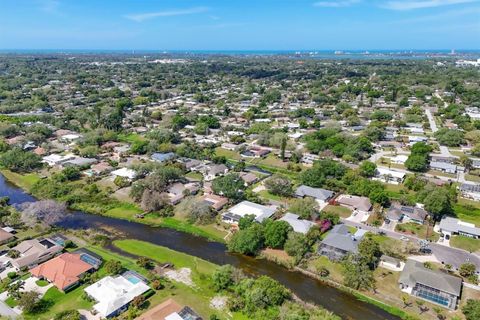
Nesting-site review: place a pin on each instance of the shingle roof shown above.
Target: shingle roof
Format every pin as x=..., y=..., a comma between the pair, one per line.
x=317, y=193
x=414, y=272
x=341, y=238
x=298, y=225
x=455, y=225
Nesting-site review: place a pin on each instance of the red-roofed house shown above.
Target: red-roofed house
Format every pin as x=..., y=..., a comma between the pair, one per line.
x=63, y=271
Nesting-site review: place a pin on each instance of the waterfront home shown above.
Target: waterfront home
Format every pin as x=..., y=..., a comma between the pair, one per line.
x=297, y=224
x=431, y=285
x=63, y=271
x=56, y=159
x=79, y=162
x=260, y=212
x=255, y=152
x=400, y=213
x=339, y=242
x=169, y=310
x=452, y=226
x=113, y=294
x=35, y=251
x=177, y=191
x=215, y=201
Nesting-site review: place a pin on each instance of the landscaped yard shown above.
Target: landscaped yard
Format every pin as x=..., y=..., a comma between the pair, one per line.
x=465, y=243
x=341, y=211
x=468, y=211
x=334, y=269
x=41, y=283
x=421, y=231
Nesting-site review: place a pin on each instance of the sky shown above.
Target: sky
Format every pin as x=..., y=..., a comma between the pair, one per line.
x=240, y=24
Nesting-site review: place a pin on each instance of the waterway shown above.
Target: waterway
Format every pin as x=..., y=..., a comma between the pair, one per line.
x=305, y=287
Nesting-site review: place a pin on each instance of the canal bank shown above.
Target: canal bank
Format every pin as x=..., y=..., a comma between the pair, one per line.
x=306, y=288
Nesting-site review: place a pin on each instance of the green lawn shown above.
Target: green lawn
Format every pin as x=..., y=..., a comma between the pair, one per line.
x=465, y=243
x=267, y=195
x=124, y=211
x=24, y=181
x=335, y=269
x=467, y=211
x=130, y=138
x=12, y=303
x=418, y=230
x=194, y=175
x=206, y=231
x=42, y=283
x=227, y=153
x=341, y=211
x=198, y=298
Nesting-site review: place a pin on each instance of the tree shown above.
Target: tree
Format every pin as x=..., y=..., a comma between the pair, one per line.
x=47, y=212
x=113, y=267
x=230, y=186
x=222, y=278
x=306, y=207
x=153, y=201
x=276, y=233
x=28, y=301
x=357, y=275
x=416, y=162
x=200, y=212
x=279, y=185
x=246, y=221
x=145, y=263
x=247, y=241
x=138, y=301
x=450, y=137
x=262, y=293
x=296, y=245
x=471, y=309
x=369, y=252
x=438, y=202
x=13, y=290
x=18, y=160
x=367, y=169
x=467, y=269
x=68, y=315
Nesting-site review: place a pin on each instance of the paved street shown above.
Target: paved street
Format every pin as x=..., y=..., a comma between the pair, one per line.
x=444, y=254
x=6, y=311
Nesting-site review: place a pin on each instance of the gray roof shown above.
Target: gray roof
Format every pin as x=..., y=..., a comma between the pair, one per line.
x=317, y=193
x=414, y=272
x=298, y=225
x=467, y=187
x=161, y=157
x=443, y=165
x=341, y=238
x=397, y=211
x=455, y=225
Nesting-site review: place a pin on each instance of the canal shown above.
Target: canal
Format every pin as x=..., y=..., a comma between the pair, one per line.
x=306, y=288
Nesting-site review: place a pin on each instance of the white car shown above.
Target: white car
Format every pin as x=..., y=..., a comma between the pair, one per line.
x=403, y=238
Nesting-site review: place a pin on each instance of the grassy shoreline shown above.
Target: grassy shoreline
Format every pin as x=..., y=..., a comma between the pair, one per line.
x=25, y=182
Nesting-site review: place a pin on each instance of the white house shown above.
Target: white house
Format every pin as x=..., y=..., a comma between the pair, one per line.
x=298, y=225
x=125, y=173
x=57, y=159
x=114, y=294
x=244, y=208
x=399, y=159
x=389, y=176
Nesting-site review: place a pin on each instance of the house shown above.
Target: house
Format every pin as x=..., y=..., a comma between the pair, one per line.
x=125, y=173
x=339, y=242
x=100, y=168
x=452, y=226
x=212, y=171
x=248, y=178
x=163, y=157
x=399, y=159
x=355, y=203
x=5, y=236
x=255, y=152
x=63, y=271
x=34, y=251
x=79, y=162
x=56, y=159
x=391, y=263
x=443, y=167
x=470, y=191
x=177, y=191
x=431, y=285
x=114, y=294
x=389, y=176
x=244, y=208
x=309, y=158
x=215, y=201
x=190, y=164
x=399, y=213
x=298, y=225
x=320, y=195
x=169, y=310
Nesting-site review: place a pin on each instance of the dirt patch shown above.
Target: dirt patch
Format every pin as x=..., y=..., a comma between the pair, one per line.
x=218, y=302
x=183, y=275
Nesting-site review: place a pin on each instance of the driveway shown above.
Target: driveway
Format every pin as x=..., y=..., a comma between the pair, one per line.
x=31, y=285
x=6, y=311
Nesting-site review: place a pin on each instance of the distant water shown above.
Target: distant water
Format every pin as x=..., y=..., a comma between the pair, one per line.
x=305, y=54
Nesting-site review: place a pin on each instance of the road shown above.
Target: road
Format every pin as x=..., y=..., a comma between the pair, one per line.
x=433, y=125
x=6, y=311
x=444, y=254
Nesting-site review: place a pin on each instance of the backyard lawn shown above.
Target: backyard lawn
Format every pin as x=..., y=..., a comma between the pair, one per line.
x=465, y=243
x=341, y=211
x=467, y=211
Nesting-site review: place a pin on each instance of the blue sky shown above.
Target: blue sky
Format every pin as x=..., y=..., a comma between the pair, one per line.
x=240, y=24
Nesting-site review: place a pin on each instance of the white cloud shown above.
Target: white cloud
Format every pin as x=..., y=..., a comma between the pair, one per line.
x=420, y=4
x=336, y=4
x=140, y=17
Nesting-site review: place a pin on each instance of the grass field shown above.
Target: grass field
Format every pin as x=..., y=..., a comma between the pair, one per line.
x=468, y=211
x=197, y=297
x=465, y=243
x=24, y=181
x=341, y=211
x=421, y=231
